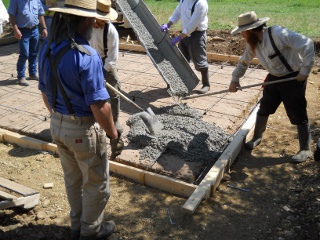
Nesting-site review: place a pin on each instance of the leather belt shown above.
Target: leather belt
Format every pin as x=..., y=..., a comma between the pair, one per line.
x=28, y=28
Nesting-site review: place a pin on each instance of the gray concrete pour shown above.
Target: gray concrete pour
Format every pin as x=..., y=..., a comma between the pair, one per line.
x=169, y=61
x=22, y=110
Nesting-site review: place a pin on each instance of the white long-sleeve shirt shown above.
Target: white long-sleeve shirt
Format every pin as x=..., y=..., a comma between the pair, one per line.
x=197, y=21
x=96, y=42
x=297, y=49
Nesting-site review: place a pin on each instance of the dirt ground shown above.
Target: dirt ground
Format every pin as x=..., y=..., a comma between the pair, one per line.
x=283, y=201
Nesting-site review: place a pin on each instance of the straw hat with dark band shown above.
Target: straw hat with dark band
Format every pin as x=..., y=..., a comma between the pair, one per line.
x=88, y=8
x=104, y=9
x=247, y=21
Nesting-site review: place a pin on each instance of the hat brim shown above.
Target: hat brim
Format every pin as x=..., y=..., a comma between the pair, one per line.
x=112, y=15
x=256, y=24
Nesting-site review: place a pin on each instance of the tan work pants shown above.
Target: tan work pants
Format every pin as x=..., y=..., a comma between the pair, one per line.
x=82, y=148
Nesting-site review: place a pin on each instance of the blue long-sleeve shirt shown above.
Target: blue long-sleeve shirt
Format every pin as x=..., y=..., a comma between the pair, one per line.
x=80, y=74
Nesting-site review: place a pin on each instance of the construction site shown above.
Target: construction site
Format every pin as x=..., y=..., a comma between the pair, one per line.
x=189, y=154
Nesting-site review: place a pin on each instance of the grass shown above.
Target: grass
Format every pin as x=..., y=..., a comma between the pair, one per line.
x=301, y=16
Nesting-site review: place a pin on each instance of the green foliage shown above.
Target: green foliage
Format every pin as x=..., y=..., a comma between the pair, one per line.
x=298, y=15
x=6, y=3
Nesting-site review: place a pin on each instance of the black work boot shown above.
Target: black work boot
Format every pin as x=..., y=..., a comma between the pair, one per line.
x=205, y=80
x=304, y=142
x=115, y=108
x=75, y=234
x=260, y=127
x=107, y=228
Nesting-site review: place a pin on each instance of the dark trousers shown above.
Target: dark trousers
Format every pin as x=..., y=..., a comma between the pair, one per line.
x=291, y=93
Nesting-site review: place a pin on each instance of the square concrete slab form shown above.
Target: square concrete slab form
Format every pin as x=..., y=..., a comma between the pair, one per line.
x=18, y=195
x=168, y=60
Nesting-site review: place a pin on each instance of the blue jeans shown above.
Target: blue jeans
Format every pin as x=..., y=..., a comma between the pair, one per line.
x=29, y=47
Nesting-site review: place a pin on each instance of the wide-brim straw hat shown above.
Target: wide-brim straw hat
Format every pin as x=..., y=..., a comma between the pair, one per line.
x=104, y=9
x=247, y=21
x=88, y=8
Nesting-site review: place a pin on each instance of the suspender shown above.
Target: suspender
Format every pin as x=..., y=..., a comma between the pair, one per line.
x=105, y=38
x=278, y=53
x=192, y=9
x=56, y=81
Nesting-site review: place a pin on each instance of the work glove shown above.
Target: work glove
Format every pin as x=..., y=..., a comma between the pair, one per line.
x=175, y=40
x=164, y=27
x=116, y=146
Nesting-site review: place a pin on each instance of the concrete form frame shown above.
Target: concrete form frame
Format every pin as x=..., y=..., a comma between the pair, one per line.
x=195, y=193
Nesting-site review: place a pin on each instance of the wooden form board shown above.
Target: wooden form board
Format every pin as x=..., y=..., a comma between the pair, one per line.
x=213, y=178
x=195, y=193
x=210, y=56
x=26, y=197
x=141, y=176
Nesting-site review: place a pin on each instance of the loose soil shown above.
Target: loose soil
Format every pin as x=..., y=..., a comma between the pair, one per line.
x=283, y=201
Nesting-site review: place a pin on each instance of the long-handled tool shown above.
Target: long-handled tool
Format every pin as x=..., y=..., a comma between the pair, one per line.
x=148, y=116
x=244, y=87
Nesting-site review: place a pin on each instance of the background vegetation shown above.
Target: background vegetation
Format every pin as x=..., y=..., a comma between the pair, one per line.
x=302, y=16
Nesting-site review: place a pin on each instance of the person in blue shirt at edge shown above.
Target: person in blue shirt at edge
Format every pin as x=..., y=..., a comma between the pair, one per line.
x=46, y=4
x=72, y=85
x=24, y=17
x=284, y=54
x=193, y=38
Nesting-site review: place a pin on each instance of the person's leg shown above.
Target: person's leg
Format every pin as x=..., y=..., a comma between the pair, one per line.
x=92, y=159
x=183, y=47
x=33, y=53
x=197, y=49
x=23, y=56
x=112, y=78
x=295, y=104
x=269, y=103
x=71, y=170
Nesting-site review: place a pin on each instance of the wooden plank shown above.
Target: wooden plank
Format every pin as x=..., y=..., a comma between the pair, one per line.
x=27, y=202
x=16, y=187
x=131, y=47
x=153, y=179
x=214, y=176
x=26, y=142
x=6, y=195
x=210, y=56
x=141, y=176
x=227, y=58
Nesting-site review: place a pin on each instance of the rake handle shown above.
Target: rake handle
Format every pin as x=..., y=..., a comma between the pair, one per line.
x=244, y=87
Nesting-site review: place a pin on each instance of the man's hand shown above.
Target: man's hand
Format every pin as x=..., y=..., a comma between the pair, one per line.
x=175, y=40
x=116, y=147
x=234, y=86
x=301, y=77
x=44, y=33
x=165, y=27
x=17, y=33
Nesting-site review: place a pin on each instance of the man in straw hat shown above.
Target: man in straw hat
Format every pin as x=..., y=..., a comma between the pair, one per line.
x=105, y=39
x=291, y=55
x=72, y=85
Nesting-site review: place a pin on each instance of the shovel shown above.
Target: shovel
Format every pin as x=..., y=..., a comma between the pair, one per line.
x=148, y=116
x=240, y=88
